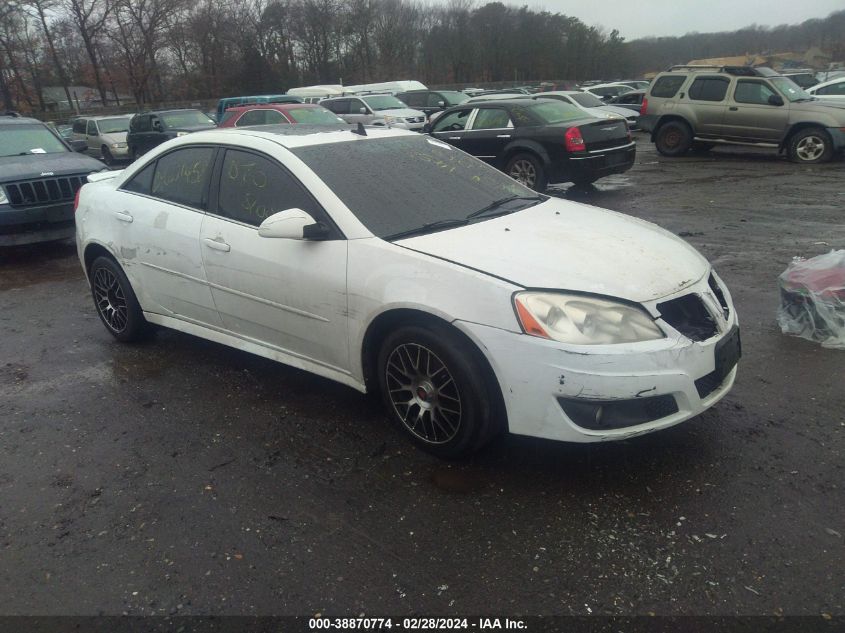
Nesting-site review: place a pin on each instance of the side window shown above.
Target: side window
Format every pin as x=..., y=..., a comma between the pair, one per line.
x=274, y=117
x=667, y=86
x=637, y=98
x=452, y=122
x=834, y=89
x=709, y=89
x=434, y=100
x=142, y=182
x=341, y=106
x=355, y=106
x=182, y=176
x=253, y=117
x=491, y=119
x=752, y=92
x=92, y=128
x=252, y=188
x=416, y=99
x=143, y=123
x=79, y=126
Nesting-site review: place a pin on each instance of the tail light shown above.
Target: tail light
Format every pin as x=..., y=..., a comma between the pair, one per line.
x=76, y=199
x=644, y=107
x=574, y=140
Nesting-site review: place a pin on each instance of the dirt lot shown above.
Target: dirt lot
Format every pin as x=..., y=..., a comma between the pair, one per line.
x=179, y=476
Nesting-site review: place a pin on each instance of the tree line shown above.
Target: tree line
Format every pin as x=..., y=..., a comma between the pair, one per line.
x=172, y=50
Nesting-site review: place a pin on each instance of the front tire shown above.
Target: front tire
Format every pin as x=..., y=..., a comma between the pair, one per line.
x=673, y=139
x=810, y=146
x=527, y=170
x=108, y=159
x=115, y=301
x=434, y=388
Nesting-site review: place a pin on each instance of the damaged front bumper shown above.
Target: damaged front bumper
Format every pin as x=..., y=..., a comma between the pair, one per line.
x=579, y=393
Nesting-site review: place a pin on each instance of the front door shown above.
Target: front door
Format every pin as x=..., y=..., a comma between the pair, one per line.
x=491, y=129
x=752, y=117
x=451, y=127
x=285, y=293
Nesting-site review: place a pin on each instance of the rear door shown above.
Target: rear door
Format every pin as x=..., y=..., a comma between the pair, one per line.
x=751, y=117
x=491, y=129
x=708, y=96
x=92, y=137
x=287, y=294
x=451, y=127
x=159, y=214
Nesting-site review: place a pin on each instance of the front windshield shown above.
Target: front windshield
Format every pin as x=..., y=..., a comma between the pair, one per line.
x=384, y=102
x=421, y=181
x=315, y=116
x=587, y=100
x=110, y=126
x=790, y=89
x=16, y=140
x=188, y=118
x=453, y=97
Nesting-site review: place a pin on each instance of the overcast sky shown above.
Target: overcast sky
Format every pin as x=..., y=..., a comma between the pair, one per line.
x=641, y=18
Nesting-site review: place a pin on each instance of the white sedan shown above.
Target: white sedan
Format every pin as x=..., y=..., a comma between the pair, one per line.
x=833, y=89
x=391, y=261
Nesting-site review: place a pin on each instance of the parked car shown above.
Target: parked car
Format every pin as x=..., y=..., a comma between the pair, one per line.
x=40, y=174
x=608, y=91
x=474, y=306
x=269, y=114
x=376, y=110
x=591, y=104
x=693, y=107
x=105, y=136
x=539, y=142
x=431, y=101
x=229, y=102
x=833, y=89
x=630, y=100
x=636, y=84
x=154, y=127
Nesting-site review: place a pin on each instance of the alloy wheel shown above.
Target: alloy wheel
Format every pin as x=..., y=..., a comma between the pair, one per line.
x=810, y=148
x=110, y=299
x=523, y=171
x=423, y=393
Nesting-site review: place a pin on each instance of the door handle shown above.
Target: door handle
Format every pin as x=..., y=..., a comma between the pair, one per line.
x=503, y=136
x=453, y=138
x=217, y=245
x=123, y=216
x=733, y=108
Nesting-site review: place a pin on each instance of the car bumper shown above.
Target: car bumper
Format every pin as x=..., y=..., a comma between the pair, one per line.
x=596, y=164
x=35, y=224
x=838, y=137
x=548, y=386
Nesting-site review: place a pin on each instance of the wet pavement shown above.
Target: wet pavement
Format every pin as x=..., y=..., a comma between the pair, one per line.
x=180, y=476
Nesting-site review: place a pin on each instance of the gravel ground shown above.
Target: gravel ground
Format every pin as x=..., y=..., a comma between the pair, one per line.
x=180, y=476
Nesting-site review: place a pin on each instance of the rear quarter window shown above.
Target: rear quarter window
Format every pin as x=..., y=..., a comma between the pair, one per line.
x=667, y=86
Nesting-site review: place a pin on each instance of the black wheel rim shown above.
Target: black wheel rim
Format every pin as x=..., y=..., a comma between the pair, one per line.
x=423, y=393
x=110, y=300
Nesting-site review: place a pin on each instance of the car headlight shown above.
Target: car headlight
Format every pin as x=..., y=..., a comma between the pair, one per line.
x=118, y=145
x=3, y=198
x=391, y=119
x=583, y=319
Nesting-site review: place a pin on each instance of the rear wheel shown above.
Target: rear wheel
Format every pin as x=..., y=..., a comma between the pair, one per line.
x=528, y=170
x=673, y=139
x=116, y=304
x=434, y=388
x=810, y=146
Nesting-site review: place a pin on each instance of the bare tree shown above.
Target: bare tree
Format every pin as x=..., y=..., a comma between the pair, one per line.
x=90, y=17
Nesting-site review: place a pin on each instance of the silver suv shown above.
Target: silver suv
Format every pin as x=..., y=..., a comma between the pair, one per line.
x=695, y=107
x=380, y=109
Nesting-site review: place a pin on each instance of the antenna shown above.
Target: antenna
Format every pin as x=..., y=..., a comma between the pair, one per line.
x=360, y=131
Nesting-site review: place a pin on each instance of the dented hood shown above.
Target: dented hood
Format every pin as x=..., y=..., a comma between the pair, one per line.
x=570, y=246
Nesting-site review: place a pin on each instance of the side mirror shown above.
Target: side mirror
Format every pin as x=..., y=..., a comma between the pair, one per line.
x=775, y=100
x=78, y=145
x=292, y=224
x=441, y=104
x=363, y=111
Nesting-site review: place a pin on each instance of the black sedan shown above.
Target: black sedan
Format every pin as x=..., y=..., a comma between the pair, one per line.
x=539, y=142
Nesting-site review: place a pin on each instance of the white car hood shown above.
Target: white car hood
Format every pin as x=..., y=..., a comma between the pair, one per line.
x=570, y=246
x=612, y=109
x=403, y=112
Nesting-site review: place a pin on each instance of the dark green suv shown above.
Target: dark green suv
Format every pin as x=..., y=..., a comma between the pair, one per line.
x=154, y=127
x=695, y=107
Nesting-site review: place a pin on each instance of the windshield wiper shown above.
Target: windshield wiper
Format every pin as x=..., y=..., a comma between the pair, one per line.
x=501, y=201
x=426, y=228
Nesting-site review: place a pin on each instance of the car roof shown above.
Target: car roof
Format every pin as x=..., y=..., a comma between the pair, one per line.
x=281, y=107
x=103, y=117
x=17, y=120
x=293, y=136
x=526, y=99
x=167, y=110
x=829, y=82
